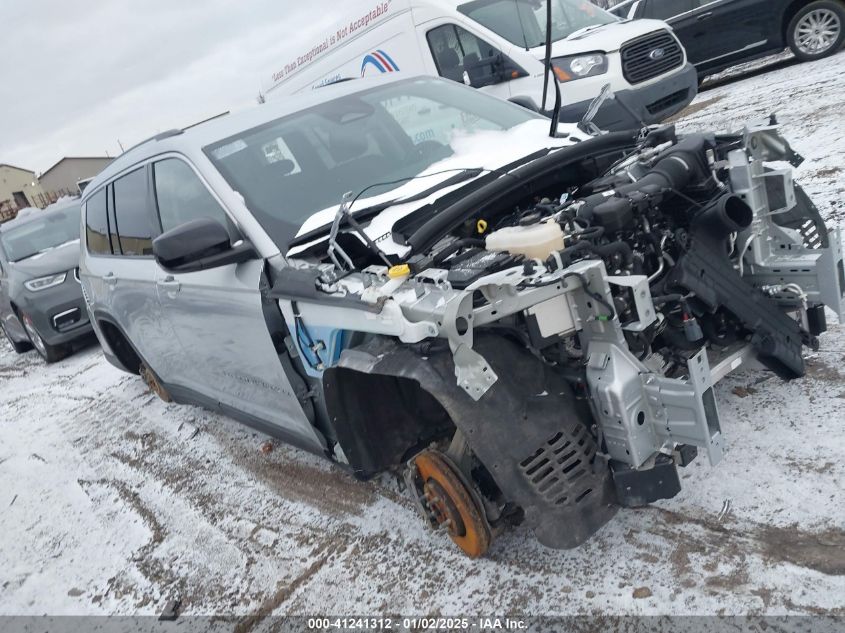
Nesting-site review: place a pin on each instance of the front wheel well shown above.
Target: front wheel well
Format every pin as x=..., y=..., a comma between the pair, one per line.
x=17, y=312
x=121, y=346
x=381, y=420
x=791, y=11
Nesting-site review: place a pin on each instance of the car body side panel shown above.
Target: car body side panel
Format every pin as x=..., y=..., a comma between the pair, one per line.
x=224, y=346
x=124, y=288
x=741, y=26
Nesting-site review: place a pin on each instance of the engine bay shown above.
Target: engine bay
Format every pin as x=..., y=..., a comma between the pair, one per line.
x=637, y=272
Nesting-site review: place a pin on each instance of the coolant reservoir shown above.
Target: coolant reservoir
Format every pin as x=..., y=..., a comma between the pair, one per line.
x=537, y=241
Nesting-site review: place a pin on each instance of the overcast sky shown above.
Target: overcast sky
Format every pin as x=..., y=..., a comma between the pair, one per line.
x=77, y=75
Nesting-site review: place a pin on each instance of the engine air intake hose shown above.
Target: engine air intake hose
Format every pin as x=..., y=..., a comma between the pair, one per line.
x=679, y=166
x=729, y=214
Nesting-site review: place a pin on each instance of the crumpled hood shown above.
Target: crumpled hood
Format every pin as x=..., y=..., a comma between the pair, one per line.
x=487, y=150
x=608, y=38
x=63, y=258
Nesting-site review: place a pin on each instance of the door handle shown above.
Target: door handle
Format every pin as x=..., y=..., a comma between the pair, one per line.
x=705, y=16
x=110, y=279
x=169, y=284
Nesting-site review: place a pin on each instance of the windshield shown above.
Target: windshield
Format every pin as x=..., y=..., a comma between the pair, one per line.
x=291, y=168
x=523, y=22
x=41, y=233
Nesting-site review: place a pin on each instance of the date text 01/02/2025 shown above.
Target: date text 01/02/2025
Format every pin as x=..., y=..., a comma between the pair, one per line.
x=417, y=623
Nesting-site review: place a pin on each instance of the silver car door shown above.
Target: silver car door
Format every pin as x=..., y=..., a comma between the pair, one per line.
x=127, y=276
x=218, y=316
x=121, y=277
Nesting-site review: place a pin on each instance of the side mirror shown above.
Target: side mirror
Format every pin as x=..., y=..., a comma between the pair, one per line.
x=488, y=71
x=199, y=245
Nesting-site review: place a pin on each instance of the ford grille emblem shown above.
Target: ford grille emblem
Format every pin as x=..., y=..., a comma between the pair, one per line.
x=657, y=53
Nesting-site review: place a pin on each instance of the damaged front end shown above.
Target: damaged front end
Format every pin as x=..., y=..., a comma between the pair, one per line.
x=546, y=347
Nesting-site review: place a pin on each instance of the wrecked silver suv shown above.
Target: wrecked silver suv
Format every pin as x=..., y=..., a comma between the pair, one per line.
x=527, y=327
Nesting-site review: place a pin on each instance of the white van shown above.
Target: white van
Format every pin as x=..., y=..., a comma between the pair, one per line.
x=499, y=47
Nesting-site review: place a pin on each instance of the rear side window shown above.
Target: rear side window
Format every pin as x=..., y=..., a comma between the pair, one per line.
x=181, y=196
x=97, y=225
x=131, y=213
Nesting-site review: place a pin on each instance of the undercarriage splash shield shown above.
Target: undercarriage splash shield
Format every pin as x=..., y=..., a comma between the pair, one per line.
x=527, y=430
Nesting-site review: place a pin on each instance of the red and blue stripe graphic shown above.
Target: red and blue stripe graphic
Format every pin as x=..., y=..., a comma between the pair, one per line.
x=381, y=61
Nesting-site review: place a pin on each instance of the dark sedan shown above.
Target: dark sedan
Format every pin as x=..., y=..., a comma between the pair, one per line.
x=722, y=33
x=41, y=302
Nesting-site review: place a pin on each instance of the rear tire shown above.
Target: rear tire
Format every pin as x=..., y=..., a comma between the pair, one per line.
x=817, y=30
x=19, y=348
x=50, y=353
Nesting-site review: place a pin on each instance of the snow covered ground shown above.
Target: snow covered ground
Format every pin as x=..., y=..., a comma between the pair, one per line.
x=112, y=502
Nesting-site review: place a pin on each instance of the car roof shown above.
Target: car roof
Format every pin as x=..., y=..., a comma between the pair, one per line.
x=222, y=127
x=13, y=224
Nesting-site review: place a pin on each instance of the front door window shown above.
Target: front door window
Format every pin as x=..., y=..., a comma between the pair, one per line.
x=461, y=56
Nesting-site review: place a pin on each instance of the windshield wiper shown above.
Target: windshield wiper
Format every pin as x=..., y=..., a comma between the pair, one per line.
x=371, y=211
x=343, y=215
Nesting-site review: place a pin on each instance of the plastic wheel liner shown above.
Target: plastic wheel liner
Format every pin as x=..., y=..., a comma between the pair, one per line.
x=528, y=430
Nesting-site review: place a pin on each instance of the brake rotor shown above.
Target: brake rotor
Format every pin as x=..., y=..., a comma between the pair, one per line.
x=153, y=383
x=451, y=504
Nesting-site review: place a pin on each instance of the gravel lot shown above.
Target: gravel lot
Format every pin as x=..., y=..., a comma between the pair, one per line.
x=114, y=502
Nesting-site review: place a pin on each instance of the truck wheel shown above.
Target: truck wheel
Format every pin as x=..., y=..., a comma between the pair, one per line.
x=817, y=30
x=50, y=353
x=19, y=348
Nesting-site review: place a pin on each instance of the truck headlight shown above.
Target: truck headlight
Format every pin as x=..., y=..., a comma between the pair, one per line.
x=42, y=283
x=579, y=66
